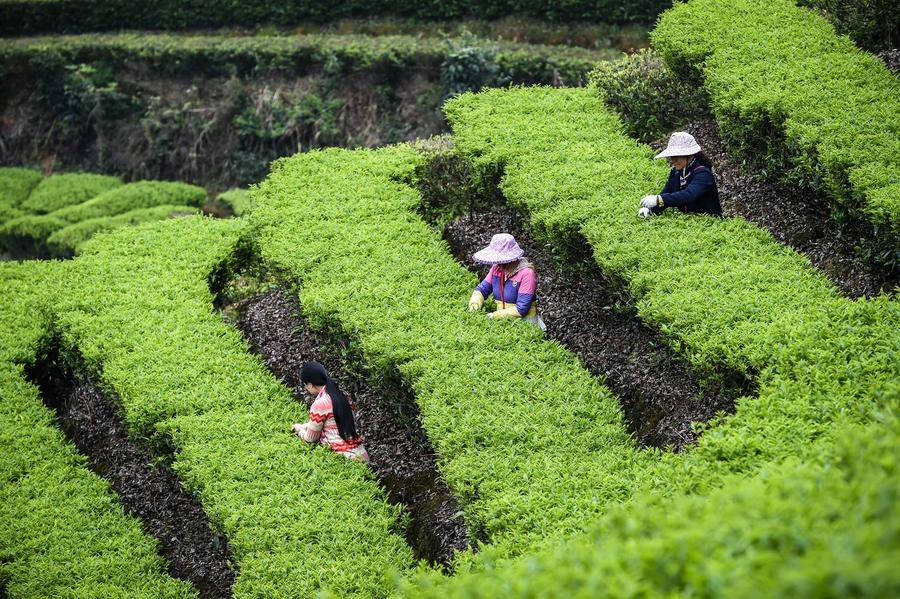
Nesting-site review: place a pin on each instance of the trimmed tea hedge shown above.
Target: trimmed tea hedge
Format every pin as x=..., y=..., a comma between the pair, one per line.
x=27, y=16
x=239, y=200
x=722, y=291
x=187, y=55
x=533, y=446
x=61, y=191
x=26, y=235
x=62, y=530
x=299, y=520
x=826, y=528
x=15, y=186
x=70, y=239
x=141, y=194
x=805, y=102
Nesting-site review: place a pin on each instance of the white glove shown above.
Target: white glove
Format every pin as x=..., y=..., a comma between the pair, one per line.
x=649, y=202
x=297, y=429
x=644, y=212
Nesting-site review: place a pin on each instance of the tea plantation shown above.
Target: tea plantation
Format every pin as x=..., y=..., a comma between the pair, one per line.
x=127, y=285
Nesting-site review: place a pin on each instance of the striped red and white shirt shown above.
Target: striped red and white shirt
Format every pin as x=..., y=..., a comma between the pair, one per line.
x=322, y=427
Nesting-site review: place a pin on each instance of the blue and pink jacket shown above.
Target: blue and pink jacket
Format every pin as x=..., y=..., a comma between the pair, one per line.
x=519, y=288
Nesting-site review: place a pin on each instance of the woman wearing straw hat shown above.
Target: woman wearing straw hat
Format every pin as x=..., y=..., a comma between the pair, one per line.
x=510, y=280
x=691, y=186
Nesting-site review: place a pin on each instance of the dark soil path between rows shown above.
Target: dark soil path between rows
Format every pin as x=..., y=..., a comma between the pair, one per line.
x=795, y=217
x=660, y=395
x=401, y=456
x=152, y=494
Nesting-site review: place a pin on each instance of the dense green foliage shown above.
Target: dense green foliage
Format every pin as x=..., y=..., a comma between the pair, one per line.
x=138, y=309
x=722, y=291
x=141, y=194
x=25, y=236
x=121, y=205
x=60, y=191
x=62, y=530
x=71, y=238
x=239, y=200
x=533, y=446
x=873, y=24
x=803, y=102
x=336, y=54
x=26, y=16
x=825, y=528
x=15, y=185
x=651, y=100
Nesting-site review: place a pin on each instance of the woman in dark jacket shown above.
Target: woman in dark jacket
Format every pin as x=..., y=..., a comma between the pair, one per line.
x=691, y=186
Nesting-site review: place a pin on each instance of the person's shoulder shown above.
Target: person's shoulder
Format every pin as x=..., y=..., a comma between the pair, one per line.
x=322, y=403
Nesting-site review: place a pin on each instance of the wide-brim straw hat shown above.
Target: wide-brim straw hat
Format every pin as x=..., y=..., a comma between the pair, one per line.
x=681, y=144
x=503, y=249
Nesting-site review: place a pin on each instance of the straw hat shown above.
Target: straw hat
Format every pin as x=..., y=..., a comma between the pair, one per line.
x=680, y=144
x=502, y=250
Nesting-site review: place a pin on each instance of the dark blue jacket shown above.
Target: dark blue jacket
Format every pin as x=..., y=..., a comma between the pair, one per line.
x=694, y=191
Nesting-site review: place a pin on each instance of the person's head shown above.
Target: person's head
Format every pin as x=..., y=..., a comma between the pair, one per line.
x=682, y=149
x=315, y=378
x=502, y=250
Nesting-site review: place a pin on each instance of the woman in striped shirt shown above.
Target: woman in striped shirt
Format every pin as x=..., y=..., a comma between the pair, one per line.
x=331, y=421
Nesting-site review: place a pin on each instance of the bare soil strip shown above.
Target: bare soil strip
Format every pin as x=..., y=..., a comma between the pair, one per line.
x=796, y=218
x=151, y=493
x=387, y=415
x=660, y=395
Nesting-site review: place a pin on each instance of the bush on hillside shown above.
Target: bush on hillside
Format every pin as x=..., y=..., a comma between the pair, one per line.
x=651, y=99
x=59, y=191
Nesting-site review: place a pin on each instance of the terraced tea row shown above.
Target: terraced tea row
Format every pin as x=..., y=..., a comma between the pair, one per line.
x=62, y=532
x=722, y=291
x=788, y=91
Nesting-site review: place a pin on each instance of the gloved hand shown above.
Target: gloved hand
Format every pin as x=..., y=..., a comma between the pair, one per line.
x=509, y=311
x=644, y=212
x=297, y=428
x=476, y=301
x=649, y=201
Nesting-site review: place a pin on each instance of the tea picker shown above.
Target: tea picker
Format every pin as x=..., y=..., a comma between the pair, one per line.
x=691, y=186
x=511, y=280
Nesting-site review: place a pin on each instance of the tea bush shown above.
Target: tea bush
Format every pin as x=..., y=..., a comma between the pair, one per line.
x=60, y=191
x=804, y=102
x=15, y=185
x=828, y=527
x=188, y=55
x=141, y=194
x=71, y=238
x=28, y=16
x=239, y=200
x=138, y=310
x=25, y=236
x=62, y=530
x=723, y=292
x=651, y=100
x=874, y=25
x=532, y=445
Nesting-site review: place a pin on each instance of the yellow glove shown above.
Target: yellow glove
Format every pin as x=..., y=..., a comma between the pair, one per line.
x=506, y=313
x=476, y=301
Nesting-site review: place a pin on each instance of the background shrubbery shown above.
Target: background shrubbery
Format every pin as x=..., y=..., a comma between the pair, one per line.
x=650, y=98
x=30, y=16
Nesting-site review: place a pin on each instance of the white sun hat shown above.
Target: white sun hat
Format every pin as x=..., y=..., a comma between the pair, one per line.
x=680, y=144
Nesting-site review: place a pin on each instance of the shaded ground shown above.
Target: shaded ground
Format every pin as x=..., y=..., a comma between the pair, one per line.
x=796, y=218
x=153, y=494
x=660, y=395
x=387, y=418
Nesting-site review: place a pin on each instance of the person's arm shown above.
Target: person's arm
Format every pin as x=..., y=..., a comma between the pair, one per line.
x=671, y=186
x=311, y=430
x=482, y=291
x=701, y=182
